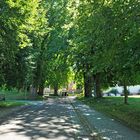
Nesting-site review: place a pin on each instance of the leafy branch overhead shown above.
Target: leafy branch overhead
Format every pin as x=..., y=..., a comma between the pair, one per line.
x=43, y=42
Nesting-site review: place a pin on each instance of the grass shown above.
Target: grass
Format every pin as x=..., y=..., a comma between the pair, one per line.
x=11, y=95
x=7, y=104
x=114, y=107
x=19, y=95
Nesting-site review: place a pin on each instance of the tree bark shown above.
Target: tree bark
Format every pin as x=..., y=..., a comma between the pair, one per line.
x=125, y=93
x=88, y=85
x=41, y=90
x=56, y=90
x=97, y=86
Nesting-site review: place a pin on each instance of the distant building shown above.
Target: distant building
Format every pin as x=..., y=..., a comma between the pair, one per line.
x=71, y=87
x=132, y=89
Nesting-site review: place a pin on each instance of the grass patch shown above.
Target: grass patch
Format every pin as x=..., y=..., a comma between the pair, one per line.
x=114, y=107
x=12, y=95
x=19, y=95
x=6, y=104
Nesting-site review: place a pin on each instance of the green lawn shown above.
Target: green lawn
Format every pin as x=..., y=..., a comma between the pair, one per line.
x=18, y=95
x=13, y=95
x=113, y=106
x=6, y=104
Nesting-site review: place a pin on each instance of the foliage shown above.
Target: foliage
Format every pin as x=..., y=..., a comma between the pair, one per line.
x=103, y=43
x=57, y=68
x=22, y=23
x=41, y=42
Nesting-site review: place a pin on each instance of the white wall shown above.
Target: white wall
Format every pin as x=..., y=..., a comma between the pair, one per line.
x=133, y=89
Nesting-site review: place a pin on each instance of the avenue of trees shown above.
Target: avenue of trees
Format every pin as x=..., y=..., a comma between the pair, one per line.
x=43, y=42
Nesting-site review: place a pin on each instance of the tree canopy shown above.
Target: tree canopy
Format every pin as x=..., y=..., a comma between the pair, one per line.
x=41, y=41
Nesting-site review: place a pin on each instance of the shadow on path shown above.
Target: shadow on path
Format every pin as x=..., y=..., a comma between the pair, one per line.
x=106, y=127
x=52, y=119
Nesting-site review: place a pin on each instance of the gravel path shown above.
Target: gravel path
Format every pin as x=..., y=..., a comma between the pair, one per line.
x=54, y=119
x=107, y=127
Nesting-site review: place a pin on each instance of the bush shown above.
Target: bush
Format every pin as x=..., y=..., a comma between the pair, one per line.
x=3, y=88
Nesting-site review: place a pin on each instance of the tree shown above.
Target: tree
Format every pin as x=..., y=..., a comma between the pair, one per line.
x=57, y=67
x=21, y=23
x=101, y=44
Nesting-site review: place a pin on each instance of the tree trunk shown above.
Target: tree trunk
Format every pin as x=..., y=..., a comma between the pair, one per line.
x=56, y=90
x=41, y=90
x=88, y=85
x=97, y=86
x=125, y=93
x=33, y=90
